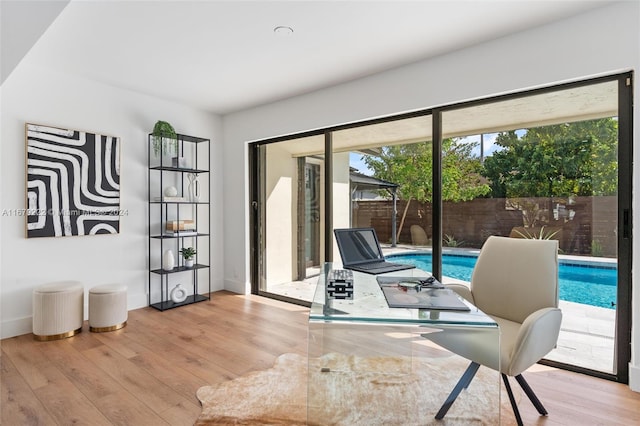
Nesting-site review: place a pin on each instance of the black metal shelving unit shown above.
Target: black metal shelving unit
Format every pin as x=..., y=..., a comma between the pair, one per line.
x=162, y=171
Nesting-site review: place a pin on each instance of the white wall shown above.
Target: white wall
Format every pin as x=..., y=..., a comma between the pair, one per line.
x=602, y=41
x=49, y=98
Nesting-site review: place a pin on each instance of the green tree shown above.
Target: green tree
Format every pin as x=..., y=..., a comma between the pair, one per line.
x=461, y=172
x=411, y=167
x=556, y=161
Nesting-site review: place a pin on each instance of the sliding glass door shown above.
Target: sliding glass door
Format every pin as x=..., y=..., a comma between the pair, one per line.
x=553, y=163
x=544, y=166
x=288, y=205
x=385, y=168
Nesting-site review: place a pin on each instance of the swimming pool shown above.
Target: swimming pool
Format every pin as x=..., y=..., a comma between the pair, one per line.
x=581, y=282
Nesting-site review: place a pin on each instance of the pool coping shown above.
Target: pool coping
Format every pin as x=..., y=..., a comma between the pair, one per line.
x=585, y=261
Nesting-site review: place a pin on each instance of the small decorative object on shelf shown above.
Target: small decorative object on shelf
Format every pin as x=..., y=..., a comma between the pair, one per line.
x=194, y=187
x=178, y=294
x=180, y=162
x=178, y=219
x=168, y=260
x=188, y=253
x=181, y=225
x=170, y=191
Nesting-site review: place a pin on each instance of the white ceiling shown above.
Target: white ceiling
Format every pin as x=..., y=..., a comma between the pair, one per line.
x=223, y=56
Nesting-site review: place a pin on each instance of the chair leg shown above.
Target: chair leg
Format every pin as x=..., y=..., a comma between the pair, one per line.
x=463, y=383
x=512, y=399
x=532, y=396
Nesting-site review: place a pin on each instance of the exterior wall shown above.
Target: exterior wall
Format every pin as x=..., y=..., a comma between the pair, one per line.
x=281, y=215
x=281, y=210
x=341, y=195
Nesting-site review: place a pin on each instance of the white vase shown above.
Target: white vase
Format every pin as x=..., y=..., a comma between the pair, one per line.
x=168, y=260
x=188, y=263
x=178, y=294
x=195, y=191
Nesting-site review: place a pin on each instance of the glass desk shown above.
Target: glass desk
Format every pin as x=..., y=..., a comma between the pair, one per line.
x=372, y=364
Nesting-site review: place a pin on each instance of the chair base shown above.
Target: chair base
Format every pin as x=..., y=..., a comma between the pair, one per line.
x=463, y=383
x=512, y=400
x=528, y=391
x=468, y=376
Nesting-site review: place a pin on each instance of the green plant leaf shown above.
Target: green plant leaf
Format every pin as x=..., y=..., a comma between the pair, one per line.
x=187, y=252
x=165, y=138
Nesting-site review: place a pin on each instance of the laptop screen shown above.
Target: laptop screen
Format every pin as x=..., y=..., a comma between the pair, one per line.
x=358, y=245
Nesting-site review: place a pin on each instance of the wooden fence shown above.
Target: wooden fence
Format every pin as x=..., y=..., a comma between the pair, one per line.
x=591, y=229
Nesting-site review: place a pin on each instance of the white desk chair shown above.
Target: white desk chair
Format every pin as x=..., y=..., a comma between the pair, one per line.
x=515, y=281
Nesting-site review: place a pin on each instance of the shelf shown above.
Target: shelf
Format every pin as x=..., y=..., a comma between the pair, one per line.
x=178, y=202
x=178, y=169
x=179, y=269
x=162, y=237
x=188, y=138
x=169, y=304
x=192, y=157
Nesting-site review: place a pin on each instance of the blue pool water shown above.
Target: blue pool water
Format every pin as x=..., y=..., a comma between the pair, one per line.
x=581, y=283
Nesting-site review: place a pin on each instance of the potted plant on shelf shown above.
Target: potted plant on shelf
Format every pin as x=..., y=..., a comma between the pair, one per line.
x=188, y=253
x=165, y=138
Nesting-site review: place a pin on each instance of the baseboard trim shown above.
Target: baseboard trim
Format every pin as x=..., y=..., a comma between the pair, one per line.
x=16, y=327
x=237, y=286
x=137, y=301
x=634, y=377
x=19, y=326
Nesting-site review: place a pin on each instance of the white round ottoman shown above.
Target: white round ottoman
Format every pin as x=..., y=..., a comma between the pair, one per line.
x=58, y=310
x=107, y=307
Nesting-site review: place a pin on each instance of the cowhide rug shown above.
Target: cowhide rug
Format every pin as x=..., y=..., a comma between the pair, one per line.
x=410, y=392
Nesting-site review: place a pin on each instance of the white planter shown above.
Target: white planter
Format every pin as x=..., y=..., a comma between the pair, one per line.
x=188, y=263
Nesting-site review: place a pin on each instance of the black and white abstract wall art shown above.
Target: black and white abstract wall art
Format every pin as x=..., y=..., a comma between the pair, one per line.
x=73, y=182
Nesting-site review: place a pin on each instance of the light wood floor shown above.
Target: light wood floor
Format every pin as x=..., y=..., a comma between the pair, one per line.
x=148, y=372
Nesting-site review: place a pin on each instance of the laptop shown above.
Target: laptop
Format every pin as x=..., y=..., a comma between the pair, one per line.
x=360, y=251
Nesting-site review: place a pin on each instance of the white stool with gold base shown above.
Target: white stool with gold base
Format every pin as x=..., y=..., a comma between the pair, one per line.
x=107, y=307
x=58, y=310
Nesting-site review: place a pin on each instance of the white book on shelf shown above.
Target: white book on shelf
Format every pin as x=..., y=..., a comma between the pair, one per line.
x=181, y=233
x=171, y=199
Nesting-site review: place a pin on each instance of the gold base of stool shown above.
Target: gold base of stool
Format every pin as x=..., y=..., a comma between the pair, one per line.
x=57, y=336
x=105, y=329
